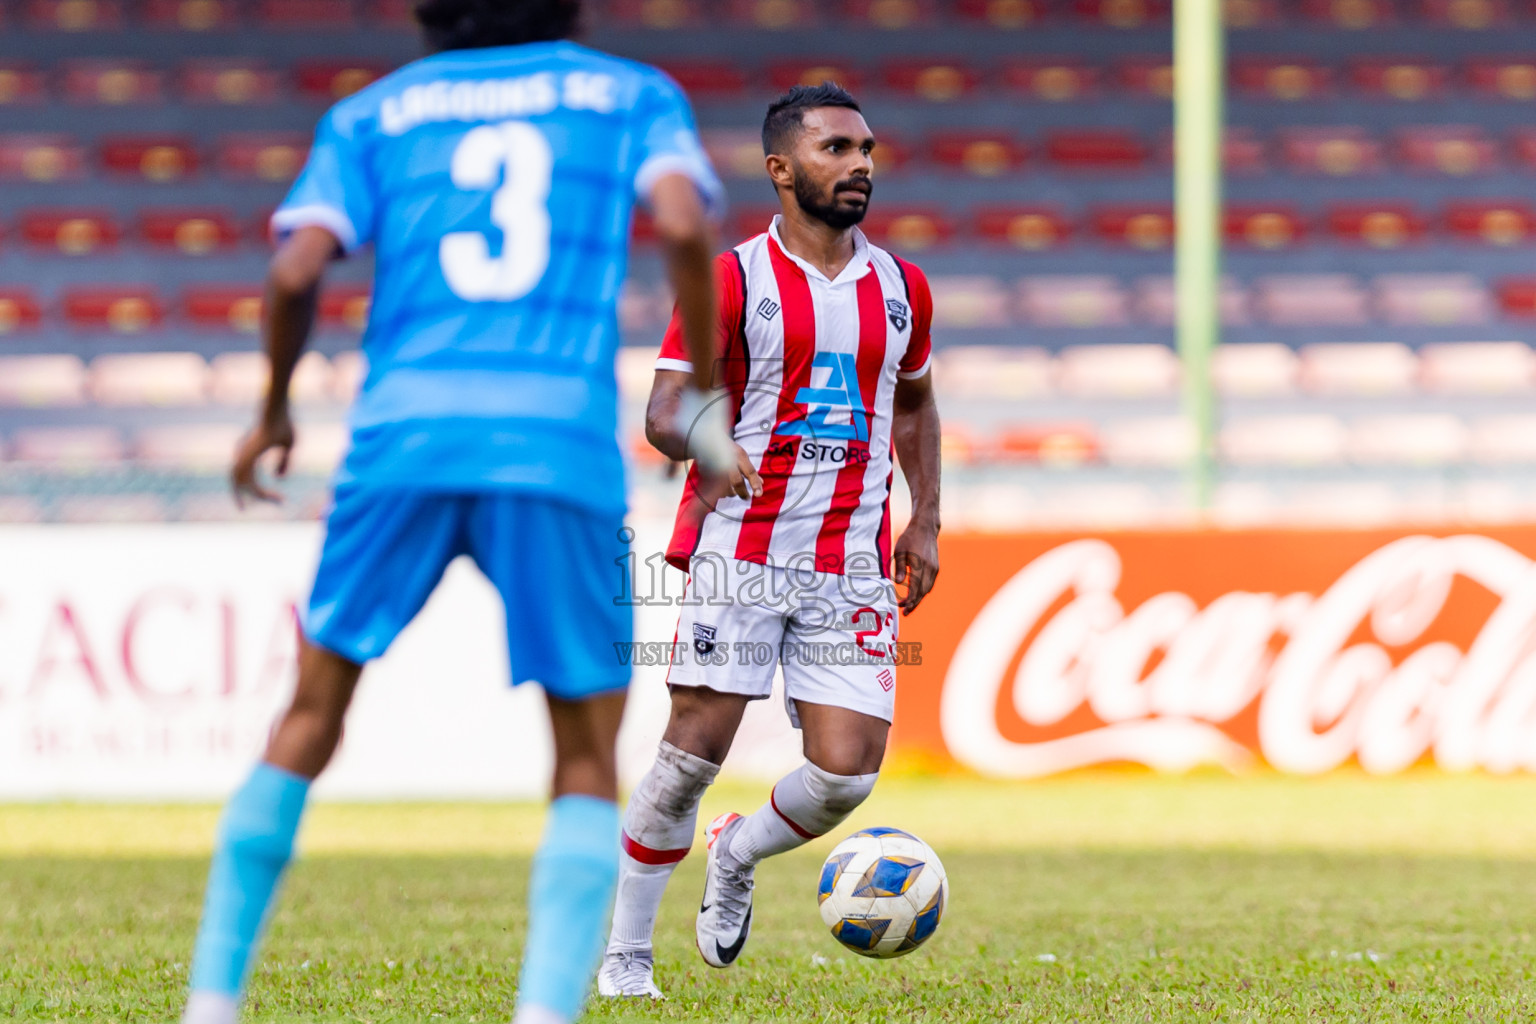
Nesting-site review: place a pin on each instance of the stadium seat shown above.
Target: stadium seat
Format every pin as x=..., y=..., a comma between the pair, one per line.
x=121, y=310
x=1378, y=225
x=1155, y=301
x=1358, y=368
x=262, y=156
x=1032, y=228
x=68, y=447
x=774, y=15
x=70, y=232
x=907, y=228
x=40, y=158
x=400, y=14
x=192, y=232
x=708, y=79
x=1350, y=14
x=1310, y=300
x=1072, y=300
x=1433, y=299
x=1147, y=77
x=111, y=82
x=1264, y=227
x=1300, y=439
x=1149, y=441
x=21, y=83
x=332, y=80
x=74, y=15
x=1399, y=79
x=224, y=307
x=157, y=158
x=19, y=311
x=1340, y=152
x=42, y=381
x=348, y=369
x=1073, y=151
x=1251, y=13
x=1448, y=149
x=1255, y=369
x=970, y=301
x=304, y=14
x=111, y=508
x=890, y=15
x=785, y=75
x=657, y=14
x=1523, y=148
x=1006, y=14
x=1475, y=15
x=1051, y=444
x=1242, y=151
x=1148, y=227
x=1510, y=79
x=937, y=81
x=1407, y=439
x=230, y=82
x=1124, y=14
x=345, y=307
x=1517, y=297
x=1477, y=368
x=735, y=152
x=984, y=154
x=198, y=448
x=149, y=378
x=1052, y=80
x=240, y=379
x=191, y=15
x=1492, y=222
x=1117, y=371
x=1503, y=440
x=994, y=371
x=319, y=448
x=1280, y=78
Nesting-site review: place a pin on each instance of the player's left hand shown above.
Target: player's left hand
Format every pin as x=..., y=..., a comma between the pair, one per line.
x=275, y=432
x=916, y=564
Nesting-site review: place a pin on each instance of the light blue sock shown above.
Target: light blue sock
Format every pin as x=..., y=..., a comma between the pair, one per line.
x=570, y=895
x=255, y=845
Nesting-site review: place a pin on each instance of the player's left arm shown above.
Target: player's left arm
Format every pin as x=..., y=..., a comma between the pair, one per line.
x=915, y=434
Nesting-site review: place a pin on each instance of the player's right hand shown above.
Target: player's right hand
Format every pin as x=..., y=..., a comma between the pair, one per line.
x=744, y=479
x=273, y=432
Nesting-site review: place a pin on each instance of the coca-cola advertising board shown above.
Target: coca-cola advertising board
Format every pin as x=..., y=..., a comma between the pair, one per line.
x=1302, y=649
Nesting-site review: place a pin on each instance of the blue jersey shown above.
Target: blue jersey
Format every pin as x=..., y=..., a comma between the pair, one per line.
x=497, y=187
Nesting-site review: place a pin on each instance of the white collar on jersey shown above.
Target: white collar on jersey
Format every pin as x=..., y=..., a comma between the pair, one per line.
x=856, y=268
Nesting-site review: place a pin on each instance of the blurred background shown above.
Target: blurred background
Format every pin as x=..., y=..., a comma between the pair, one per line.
x=1378, y=302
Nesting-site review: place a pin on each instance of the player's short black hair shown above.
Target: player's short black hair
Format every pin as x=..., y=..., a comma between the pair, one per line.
x=469, y=24
x=786, y=115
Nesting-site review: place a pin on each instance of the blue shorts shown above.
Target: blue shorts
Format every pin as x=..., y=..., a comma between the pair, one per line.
x=553, y=564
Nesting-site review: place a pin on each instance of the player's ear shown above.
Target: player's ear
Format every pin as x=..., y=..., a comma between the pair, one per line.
x=779, y=171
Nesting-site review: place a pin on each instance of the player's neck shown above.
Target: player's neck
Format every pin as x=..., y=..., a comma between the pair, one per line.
x=818, y=243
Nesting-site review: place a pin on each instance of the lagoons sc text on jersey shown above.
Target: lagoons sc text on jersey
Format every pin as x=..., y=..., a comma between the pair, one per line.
x=491, y=99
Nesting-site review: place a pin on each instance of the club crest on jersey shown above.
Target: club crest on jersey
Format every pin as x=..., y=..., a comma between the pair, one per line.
x=899, y=313
x=703, y=639
x=767, y=309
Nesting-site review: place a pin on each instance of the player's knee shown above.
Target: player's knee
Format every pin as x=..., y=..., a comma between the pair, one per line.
x=837, y=795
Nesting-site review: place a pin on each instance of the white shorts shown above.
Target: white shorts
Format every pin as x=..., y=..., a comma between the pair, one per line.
x=834, y=635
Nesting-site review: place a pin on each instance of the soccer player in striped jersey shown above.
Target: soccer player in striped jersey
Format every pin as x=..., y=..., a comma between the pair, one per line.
x=823, y=355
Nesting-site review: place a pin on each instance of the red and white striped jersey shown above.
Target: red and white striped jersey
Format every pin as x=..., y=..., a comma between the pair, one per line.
x=810, y=367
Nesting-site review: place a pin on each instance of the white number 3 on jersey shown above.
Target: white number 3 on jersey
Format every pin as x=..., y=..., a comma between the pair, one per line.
x=520, y=208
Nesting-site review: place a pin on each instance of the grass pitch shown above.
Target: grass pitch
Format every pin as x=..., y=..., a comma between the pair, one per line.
x=1108, y=897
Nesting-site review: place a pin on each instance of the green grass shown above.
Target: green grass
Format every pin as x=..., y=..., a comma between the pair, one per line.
x=1092, y=898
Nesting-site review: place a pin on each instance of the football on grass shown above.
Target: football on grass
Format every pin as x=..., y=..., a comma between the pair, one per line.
x=882, y=892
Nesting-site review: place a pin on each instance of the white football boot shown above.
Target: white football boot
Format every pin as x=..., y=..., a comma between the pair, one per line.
x=725, y=913
x=629, y=973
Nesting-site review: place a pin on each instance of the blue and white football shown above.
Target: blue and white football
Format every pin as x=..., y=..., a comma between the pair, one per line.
x=882, y=892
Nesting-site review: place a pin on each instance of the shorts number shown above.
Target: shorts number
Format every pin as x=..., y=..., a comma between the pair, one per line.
x=520, y=208
x=861, y=635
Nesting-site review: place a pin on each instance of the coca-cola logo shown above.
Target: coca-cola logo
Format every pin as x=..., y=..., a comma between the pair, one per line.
x=1164, y=681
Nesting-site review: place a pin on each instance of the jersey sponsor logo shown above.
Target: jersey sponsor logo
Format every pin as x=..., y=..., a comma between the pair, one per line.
x=900, y=315
x=703, y=639
x=816, y=450
x=767, y=309
x=834, y=411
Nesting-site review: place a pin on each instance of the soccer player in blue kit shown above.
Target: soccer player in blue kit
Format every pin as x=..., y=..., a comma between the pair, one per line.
x=496, y=180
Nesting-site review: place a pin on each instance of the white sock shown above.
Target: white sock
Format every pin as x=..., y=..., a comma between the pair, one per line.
x=659, y=824
x=211, y=1008
x=538, y=1015
x=804, y=805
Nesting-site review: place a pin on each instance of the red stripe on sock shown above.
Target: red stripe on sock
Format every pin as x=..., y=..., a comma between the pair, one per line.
x=774, y=803
x=646, y=855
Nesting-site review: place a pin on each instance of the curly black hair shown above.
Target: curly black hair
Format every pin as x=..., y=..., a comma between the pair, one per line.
x=469, y=24
x=786, y=115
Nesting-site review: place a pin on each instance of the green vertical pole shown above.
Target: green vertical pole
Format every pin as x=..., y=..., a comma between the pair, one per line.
x=1198, y=84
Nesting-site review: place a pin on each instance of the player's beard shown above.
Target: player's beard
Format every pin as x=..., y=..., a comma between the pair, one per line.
x=826, y=208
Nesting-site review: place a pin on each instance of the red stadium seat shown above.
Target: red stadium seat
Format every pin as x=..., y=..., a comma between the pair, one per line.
x=1517, y=297
x=27, y=157
x=157, y=158
x=935, y=81
x=1450, y=149
x=891, y=15
x=345, y=307
x=1095, y=150
x=1340, y=152
x=774, y=14
x=305, y=14
x=75, y=15
x=1053, y=80
x=122, y=310
x=1280, y=79
x=1140, y=227
x=194, y=232
x=657, y=14
x=70, y=232
x=233, y=82
x=984, y=154
x=1492, y=222
x=704, y=78
x=1032, y=228
x=192, y=15
x=224, y=307
x=1146, y=76
x=907, y=228
x=750, y=221
x=394, y=13
x=1251, y=13
x=19, y=311
x=332, y=80
x=1263, y=227
x=1523, y=147
x=1350, y=14
x=1121, y=13
x=1242, y=152
x=260, y=229
x=21, y=83
x=1054, y=444
x=1378, y=225
x=1001, y=13
x=1399, y=79
x=111, y=82
x=735, y=152
x=787, y=74
x=262, y=156
x=1466, y=14
x=1513, y=79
